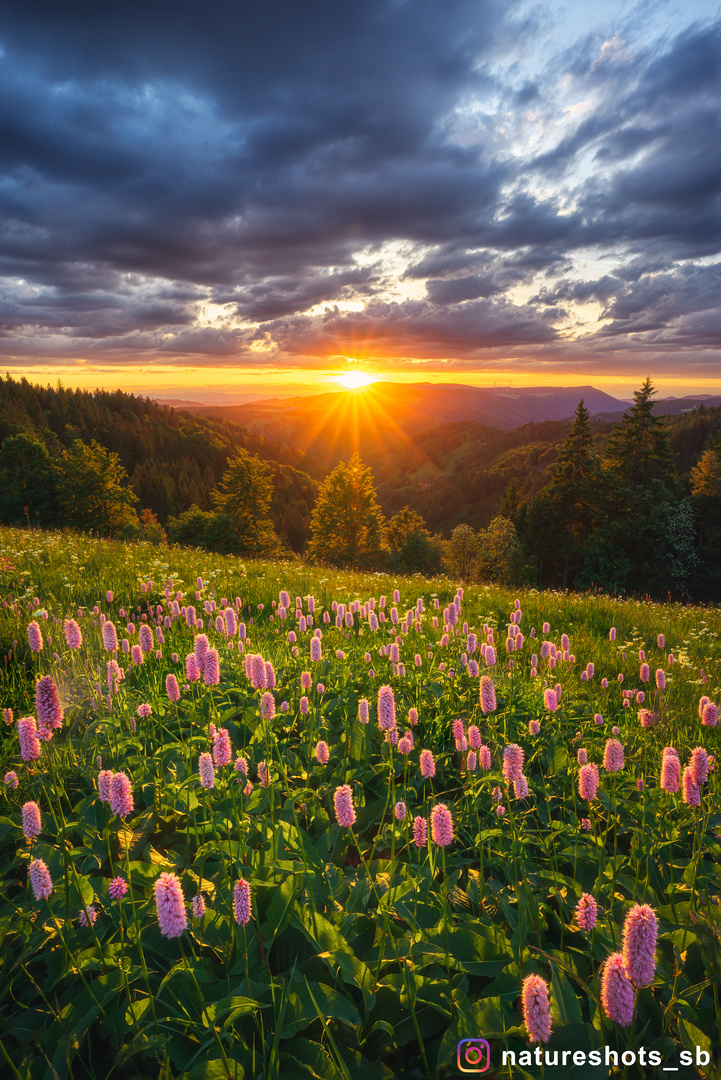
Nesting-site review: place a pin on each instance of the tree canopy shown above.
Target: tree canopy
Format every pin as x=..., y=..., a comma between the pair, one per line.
x=347, y=525
x=93, y=490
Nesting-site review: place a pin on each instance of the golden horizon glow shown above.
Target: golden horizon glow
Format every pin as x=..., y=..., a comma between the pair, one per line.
x=220, y=384
x=355, y=380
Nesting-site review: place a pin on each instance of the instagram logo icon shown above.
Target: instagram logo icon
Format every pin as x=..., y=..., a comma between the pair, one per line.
x=473, y=1055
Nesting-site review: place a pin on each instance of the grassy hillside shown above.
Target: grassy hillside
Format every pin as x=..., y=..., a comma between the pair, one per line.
x=323, y=948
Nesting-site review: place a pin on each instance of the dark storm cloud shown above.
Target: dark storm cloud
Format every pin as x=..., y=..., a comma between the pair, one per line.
x=414, y=328
x=153, y=157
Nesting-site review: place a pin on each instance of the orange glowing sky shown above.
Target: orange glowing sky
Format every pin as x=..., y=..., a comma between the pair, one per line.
x=227, y=385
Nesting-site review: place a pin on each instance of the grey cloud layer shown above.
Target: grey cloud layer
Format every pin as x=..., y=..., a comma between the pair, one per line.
x=154, y=159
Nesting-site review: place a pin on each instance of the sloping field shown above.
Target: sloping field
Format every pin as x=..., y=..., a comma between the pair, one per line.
x=265, y=820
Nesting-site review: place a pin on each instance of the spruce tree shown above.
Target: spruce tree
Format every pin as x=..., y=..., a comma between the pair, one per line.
x=570, y=500
x=639, y=448
x=633, y=550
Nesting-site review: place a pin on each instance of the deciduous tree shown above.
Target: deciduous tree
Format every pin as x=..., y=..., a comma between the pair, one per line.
x=347, y=525
x=243, y=498
x=93, y=490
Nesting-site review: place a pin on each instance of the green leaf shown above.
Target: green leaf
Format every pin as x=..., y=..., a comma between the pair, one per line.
x=468, y=952
x=691, y=1037
x=230, y=1008
x=215, y=1070
x=565, y=1006
x=301, y=1011
x=278, y=912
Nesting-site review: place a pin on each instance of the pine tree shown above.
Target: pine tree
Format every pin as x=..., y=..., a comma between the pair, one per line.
x=571, y=498
x=347, y=525
x=639, y=448
x=640, y=482
x=706, y=502
x=27, y=481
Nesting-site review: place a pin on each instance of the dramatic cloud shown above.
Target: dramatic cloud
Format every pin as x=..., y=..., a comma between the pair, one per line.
x=407, y=180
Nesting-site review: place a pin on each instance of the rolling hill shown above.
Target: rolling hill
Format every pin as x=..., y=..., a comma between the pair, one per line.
x=331, y=427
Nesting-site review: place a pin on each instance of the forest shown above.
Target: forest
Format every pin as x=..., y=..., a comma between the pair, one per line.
x=626, y=508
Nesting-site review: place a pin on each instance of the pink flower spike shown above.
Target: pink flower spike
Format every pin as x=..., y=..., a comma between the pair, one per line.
x=691, y=793
x=121, y=795
x=322, y=753
x=613, y=758
x=513, y=758
x=386, y=708
x=27, y=736
x=586, y=912
x=211, y=668
x=343, y=803
x=242, y=902
x=170, y=906
x=670, y=770
x=550, y=700
x=420, y=831
x=441, y=825
x=206, y=770
x=699, y=765
x=222, y=749
x=40, y=880
x=171, y=686
x=110, y=636
x=31, y=820
x=117, y=888
x=35, y=637
x=709, y=717
x=588, y=782
x=105, y=779
x=86, y=914
x=520, y=787
x=536, y=1009
x=48, y=708
x=428, y=764
x=640, y=931
x=487, y=694
x=617, y=995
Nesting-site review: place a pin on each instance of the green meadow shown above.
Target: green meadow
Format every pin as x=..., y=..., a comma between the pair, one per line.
x=366, y=954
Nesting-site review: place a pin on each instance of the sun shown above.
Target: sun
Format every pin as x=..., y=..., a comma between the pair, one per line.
x=355, y=380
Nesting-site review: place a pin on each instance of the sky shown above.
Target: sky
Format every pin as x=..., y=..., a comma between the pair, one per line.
x=237, y=199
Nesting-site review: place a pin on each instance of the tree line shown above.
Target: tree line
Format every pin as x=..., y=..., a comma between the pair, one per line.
x=628, y=508
x=139, y=464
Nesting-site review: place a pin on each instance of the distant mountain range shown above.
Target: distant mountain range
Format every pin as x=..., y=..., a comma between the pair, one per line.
x=332, y=426
x=383, y=420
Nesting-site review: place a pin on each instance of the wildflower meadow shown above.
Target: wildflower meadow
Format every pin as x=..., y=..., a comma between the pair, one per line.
x=266, y=820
